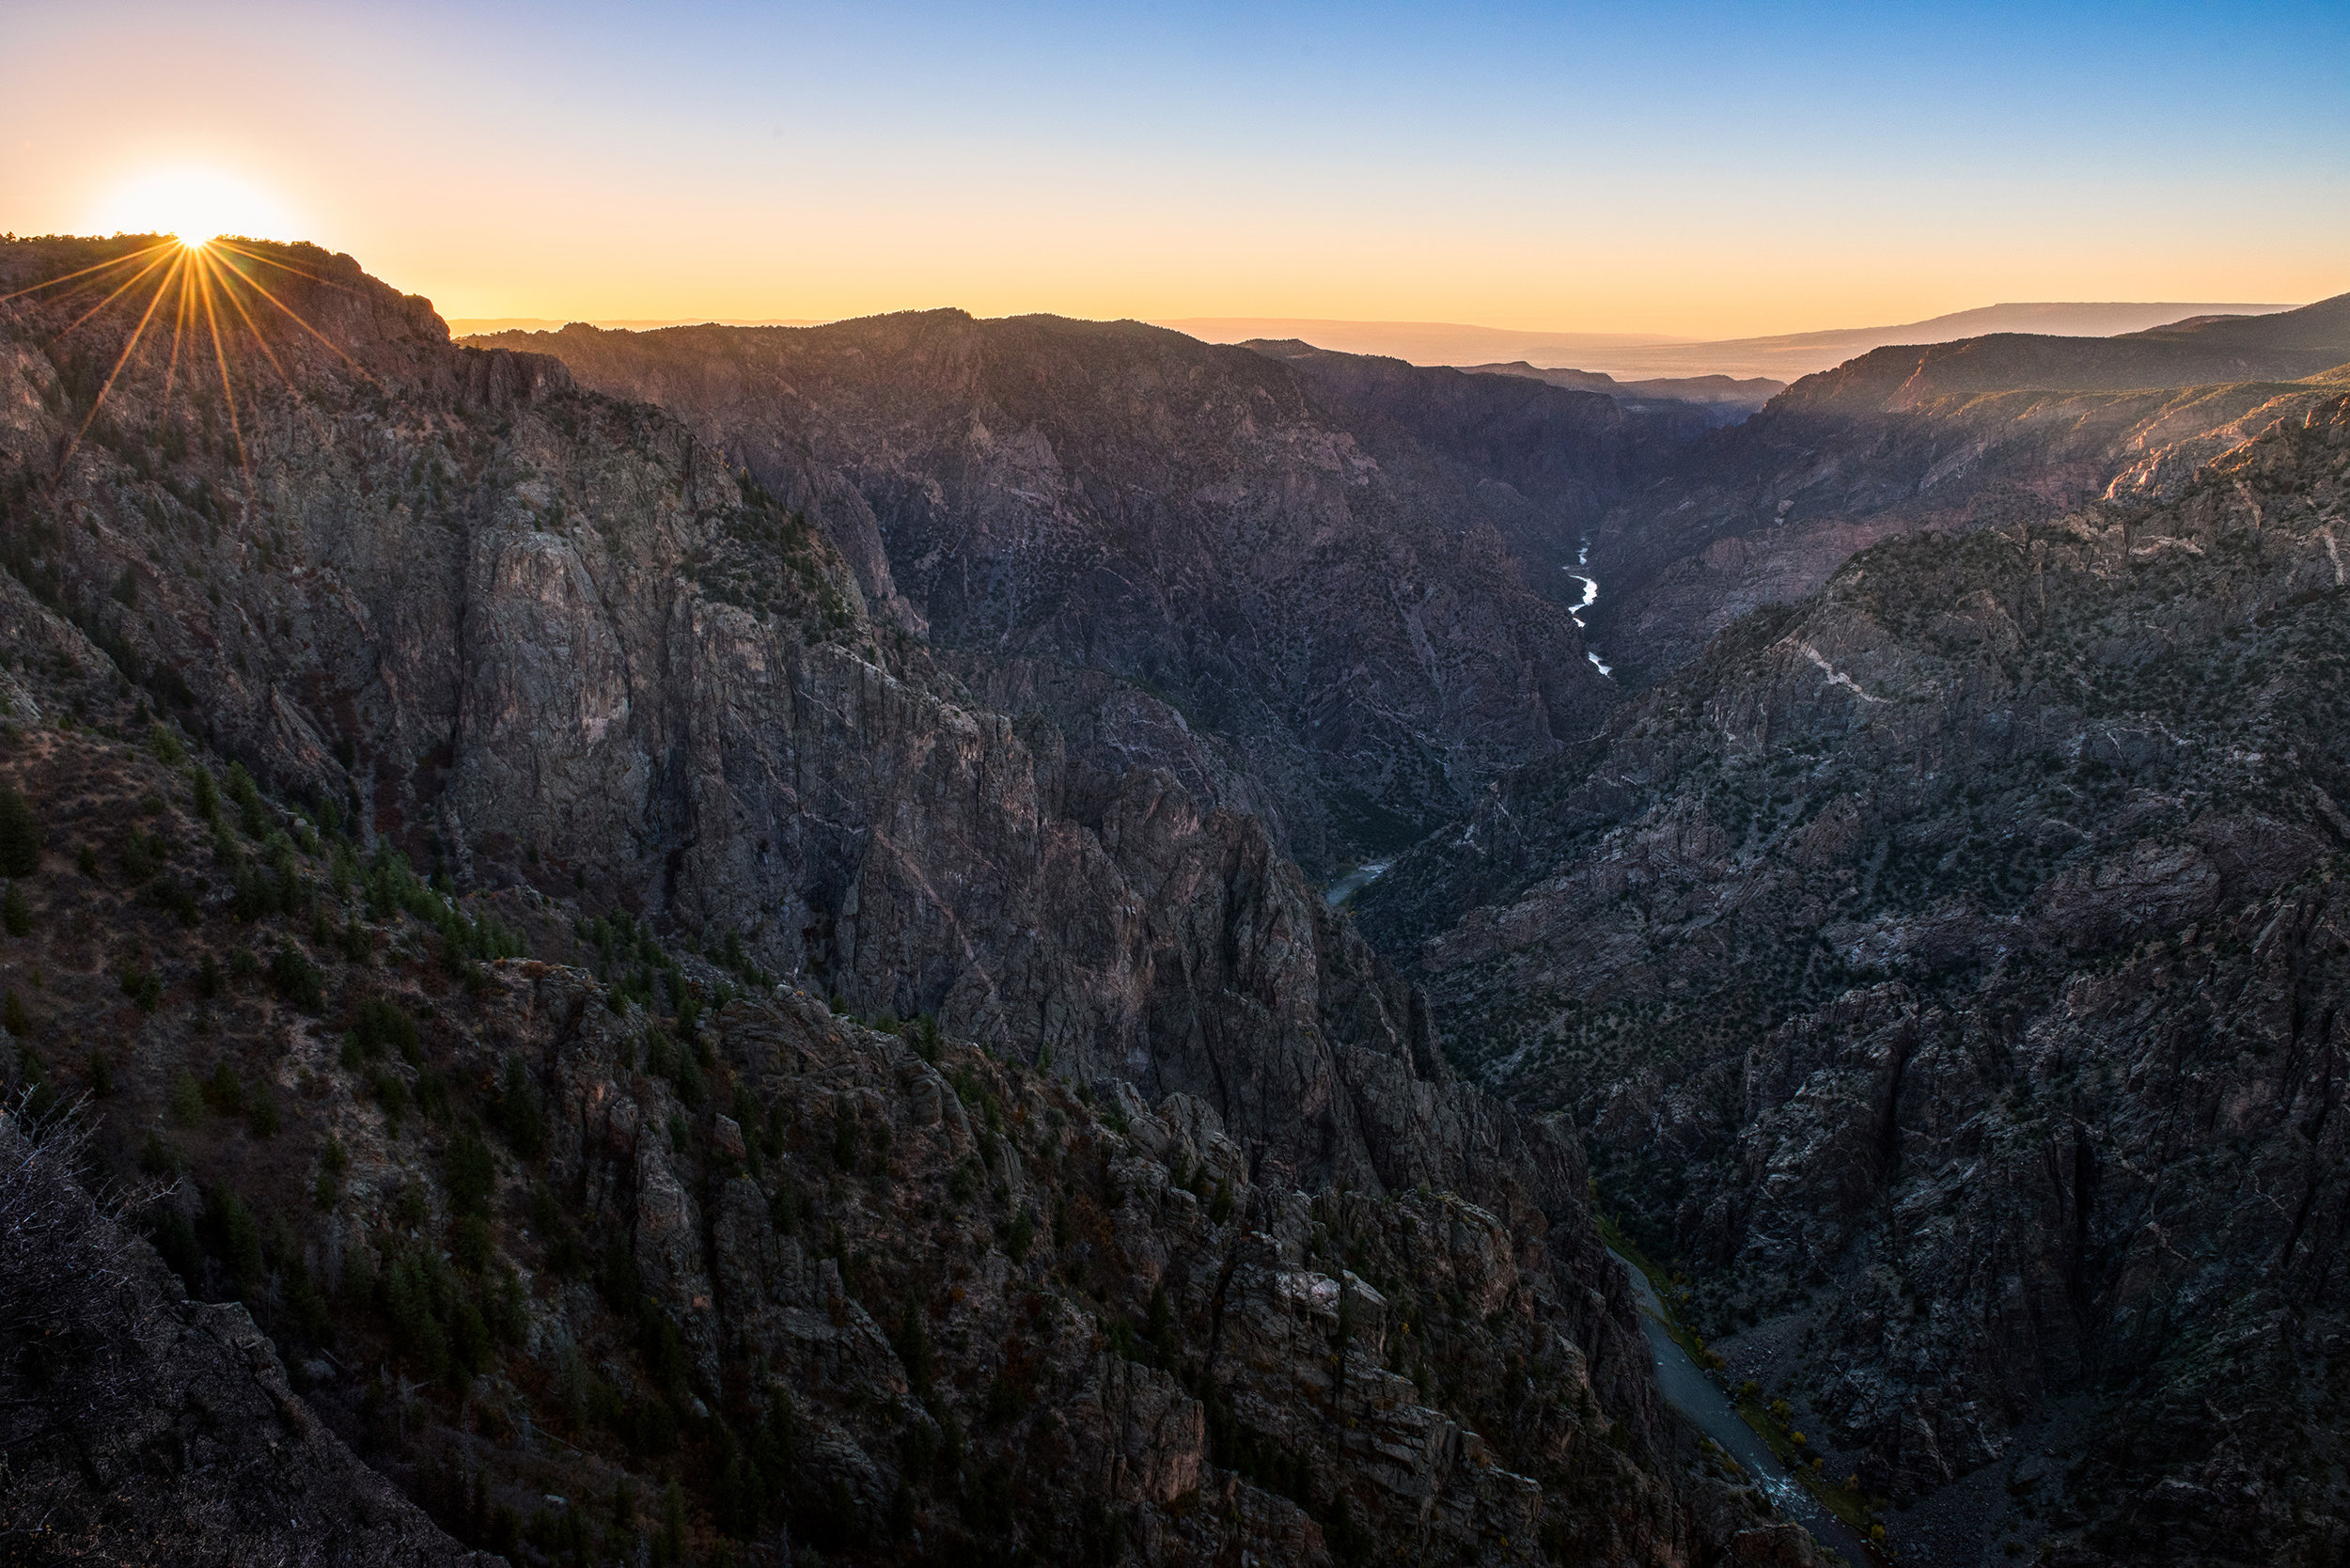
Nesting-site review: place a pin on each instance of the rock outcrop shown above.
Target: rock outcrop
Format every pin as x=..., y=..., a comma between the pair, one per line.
x=138, y=1426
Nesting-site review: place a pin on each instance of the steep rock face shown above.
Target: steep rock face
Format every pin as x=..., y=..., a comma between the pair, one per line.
x=1953, y=973
x=138, y=1426
x=1570, y=451
x=539, y=1249
x=539, y=636
x=1331, y=596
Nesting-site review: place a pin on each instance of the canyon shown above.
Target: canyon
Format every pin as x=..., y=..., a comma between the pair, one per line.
x=926, y=938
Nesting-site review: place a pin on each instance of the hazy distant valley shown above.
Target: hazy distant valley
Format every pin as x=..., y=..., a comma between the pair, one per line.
x=720, y=935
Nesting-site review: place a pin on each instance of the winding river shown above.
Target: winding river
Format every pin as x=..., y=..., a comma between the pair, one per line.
x=1590, y=597
x=1700, y=1398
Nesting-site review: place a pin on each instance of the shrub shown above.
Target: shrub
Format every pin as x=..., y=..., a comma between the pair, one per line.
x=378, y=1022
x=13, y=1017
x=138, y=857
x=296, y=978
x=472, y=1174
x=224, y=1091
x=252, y=812
x=144, y=987
x=519, y=1116
x=16, y=911
x=263, y=1111
x=20, y=836
x=172, y=896
x=183, y=1101
x=235, y=1237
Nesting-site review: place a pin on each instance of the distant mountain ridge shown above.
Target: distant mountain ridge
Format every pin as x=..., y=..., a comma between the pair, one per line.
x=1417, y=342
x=2284, y=346
x=482, y=326
x=1781, y=356
x=1788, y=356
x=1730, y=394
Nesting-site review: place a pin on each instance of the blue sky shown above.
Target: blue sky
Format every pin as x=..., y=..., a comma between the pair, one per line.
x=1688, y=169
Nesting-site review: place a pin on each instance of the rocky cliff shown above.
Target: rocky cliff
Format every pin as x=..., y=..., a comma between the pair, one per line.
x=540, y=638
x=1335, y=595
x=1162, y=1232
x=618, y=1254
x=1951, y=972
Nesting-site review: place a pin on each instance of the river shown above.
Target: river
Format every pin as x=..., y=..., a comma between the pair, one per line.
x=1355, y=882
x=1700, y=1398
x=1590, y=597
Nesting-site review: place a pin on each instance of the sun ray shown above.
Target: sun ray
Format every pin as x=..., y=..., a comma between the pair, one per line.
x=282, y=266
x=178, y=329
x=219, y=357
x=127, y=284
x=218, y=269
x=124, y=358
x=117, y=261
x=295, y=317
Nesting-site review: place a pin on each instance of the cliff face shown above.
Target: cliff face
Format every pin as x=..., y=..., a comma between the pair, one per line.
x=591, y=1276
x=539, y=1234
x=1765, y=513
x=542, y=638
x=1337, y=597
x=1953, y=970
x=1572, y=452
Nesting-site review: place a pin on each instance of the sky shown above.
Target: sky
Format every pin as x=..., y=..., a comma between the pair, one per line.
x=1696, y=171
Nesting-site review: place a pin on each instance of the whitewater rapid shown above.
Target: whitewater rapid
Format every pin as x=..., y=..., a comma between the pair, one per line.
x=1590, y=597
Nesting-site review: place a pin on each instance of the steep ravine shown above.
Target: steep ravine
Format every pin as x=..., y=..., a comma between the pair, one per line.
x=1950, y=971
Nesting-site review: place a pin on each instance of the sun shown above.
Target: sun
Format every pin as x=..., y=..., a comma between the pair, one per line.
x=203, y=282
x=191, y=204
